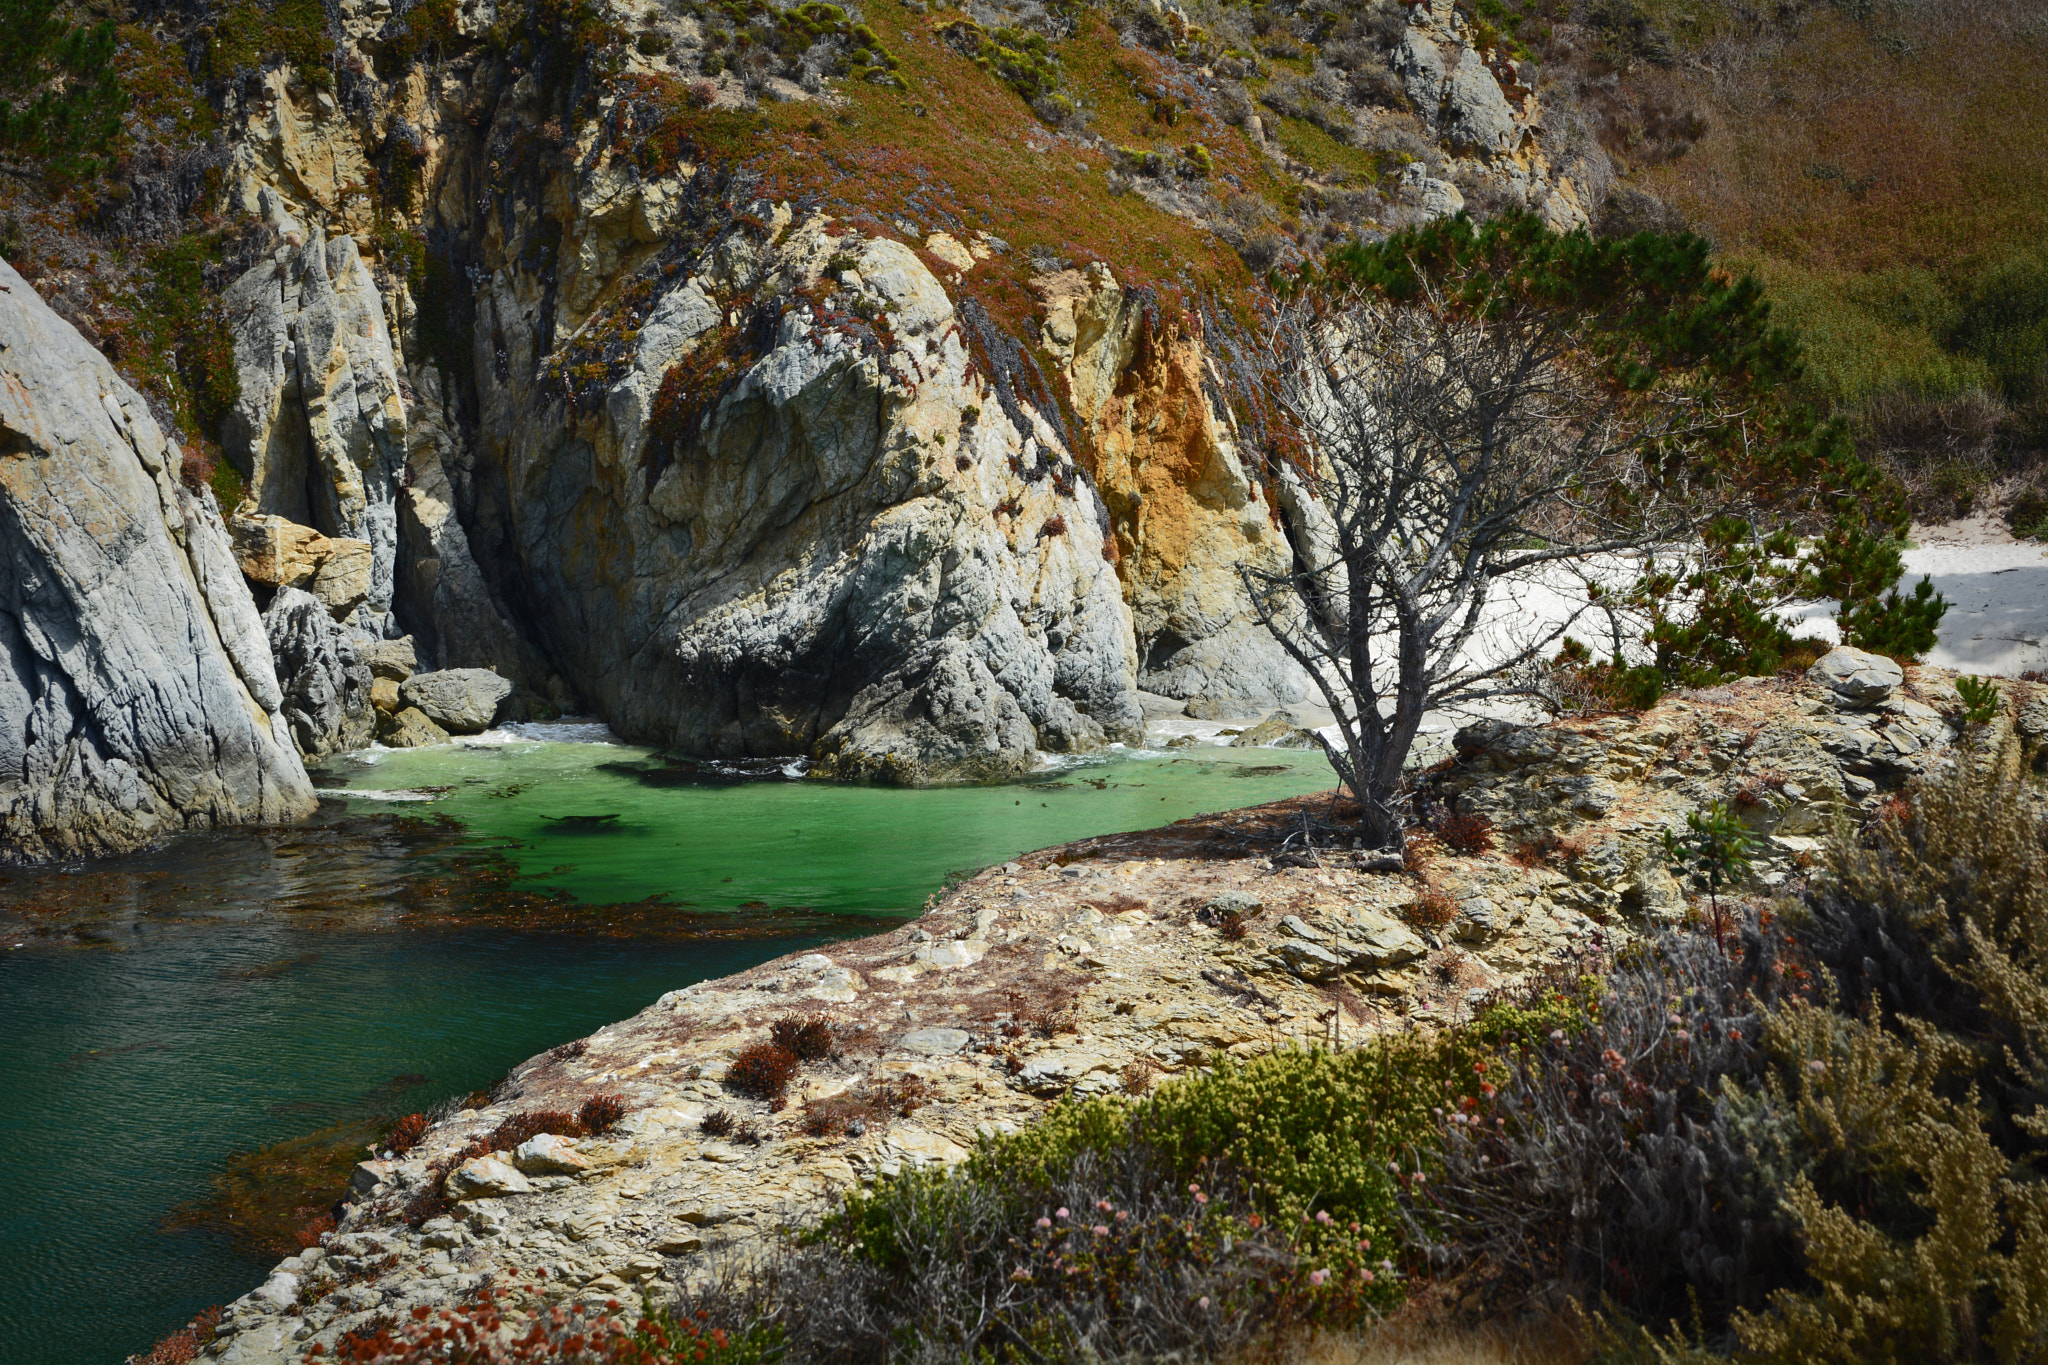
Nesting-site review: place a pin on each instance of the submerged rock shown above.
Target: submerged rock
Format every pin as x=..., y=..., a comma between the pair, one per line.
x=137, y=694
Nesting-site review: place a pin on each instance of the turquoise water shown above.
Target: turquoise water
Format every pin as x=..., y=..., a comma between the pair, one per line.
x=237, y=990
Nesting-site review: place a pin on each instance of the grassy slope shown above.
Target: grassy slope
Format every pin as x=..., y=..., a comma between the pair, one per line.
x=961, y=151
x=1868, y=186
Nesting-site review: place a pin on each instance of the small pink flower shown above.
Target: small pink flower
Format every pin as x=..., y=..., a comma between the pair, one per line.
x=1354, y=1227
x=1201, y=1199
x=1059, y=1213
x=1557, y=1035
x=1816, y=1066
x=1122, y=1214
x=1101, y=1230
x=1104, y=1205
x=1316, y=1277
x=1323, y=1216
x=1045, y=1222
x=1366, y=1275
x=1194, y=1189
x=1203, y=1303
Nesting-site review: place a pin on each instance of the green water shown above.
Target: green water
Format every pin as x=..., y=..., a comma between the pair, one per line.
x=236, y=990
x=710, y=841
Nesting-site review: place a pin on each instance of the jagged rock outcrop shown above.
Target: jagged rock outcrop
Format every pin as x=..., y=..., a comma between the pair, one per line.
x=1487, y=118
x=857, y=549
x=320, y=424
x=327, y=699
x=137, y=696
x=739, y=479
x=1185, y=509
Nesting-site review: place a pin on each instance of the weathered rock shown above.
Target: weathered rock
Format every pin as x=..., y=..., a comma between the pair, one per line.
x=1182, y=507
x=1375, y=941
x=2032, y=722
x=1281, y=730
x=1857, y=677
x=440, y=585
x=384, y=694
x=408, y=728
x=276, y=553
x=934, y=1042
x=486, y=1177
x=462, y=701
x=841, y=560
x=942, y=713
x=327, y=699
x=389, y=659
x=1310, y=961
x=1230, y=903
x=1053, y=1073
x=549, y=1154
x=320, y=423
x=137, y=698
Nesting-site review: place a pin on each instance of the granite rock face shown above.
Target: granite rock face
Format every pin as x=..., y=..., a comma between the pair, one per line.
x=327, y=699
x=858, y=551
x=137, y=696
x=320, y=423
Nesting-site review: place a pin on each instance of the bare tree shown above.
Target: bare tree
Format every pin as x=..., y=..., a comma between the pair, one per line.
x=1479, y=454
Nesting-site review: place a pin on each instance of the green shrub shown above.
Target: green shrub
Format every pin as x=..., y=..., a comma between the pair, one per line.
x=1981, y=699
x=1921, y=1211
x=60, y=100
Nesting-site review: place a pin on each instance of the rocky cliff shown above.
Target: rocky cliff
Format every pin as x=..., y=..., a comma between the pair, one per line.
x=593, y=354
x=868, y=388
x=1096, y=968
x=137, y=697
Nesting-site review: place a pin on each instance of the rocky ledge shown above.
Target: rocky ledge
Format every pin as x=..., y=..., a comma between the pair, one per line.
x=1096, y=967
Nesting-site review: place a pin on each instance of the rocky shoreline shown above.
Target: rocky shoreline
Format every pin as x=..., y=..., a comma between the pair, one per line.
x=1090, y=968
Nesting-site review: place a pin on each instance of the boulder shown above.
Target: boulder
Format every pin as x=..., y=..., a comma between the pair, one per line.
x=1230, y=903
x=276, y=553
x=390, y=659
x=462, y=701
x=549, y=1154
x=408, y=728
x=1054, y=1073
x=384, y=695
x=1375, y=941
x=486, y=1177
x=1855, y=676
x=1310, y=961
x=137, y=694
x=2032, y=723
x=934, y=1042
x=327, y=699
x=1281, y=730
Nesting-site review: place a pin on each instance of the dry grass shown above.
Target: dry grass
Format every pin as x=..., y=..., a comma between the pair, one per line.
x=1413, y=1338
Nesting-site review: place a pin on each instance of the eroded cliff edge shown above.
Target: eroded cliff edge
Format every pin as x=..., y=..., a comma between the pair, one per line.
x=137, y=694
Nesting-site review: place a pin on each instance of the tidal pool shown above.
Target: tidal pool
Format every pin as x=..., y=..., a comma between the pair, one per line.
x=453, y=912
